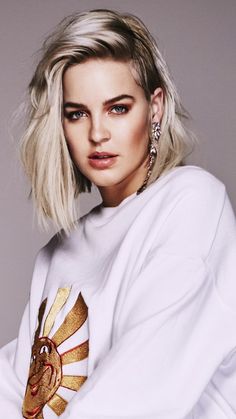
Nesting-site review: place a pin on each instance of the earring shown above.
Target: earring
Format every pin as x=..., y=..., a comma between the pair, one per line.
x=156, y=133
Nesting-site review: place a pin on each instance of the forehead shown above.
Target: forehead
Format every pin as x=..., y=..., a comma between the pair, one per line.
x=100, y=79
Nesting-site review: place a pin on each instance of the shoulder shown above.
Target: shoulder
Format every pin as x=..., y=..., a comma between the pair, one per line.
x=43, y=258
x=46, y=252
x=193, y=178
x=192, y=200
x=193, y=189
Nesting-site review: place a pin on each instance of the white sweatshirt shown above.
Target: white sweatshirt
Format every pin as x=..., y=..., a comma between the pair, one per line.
x=141, y=299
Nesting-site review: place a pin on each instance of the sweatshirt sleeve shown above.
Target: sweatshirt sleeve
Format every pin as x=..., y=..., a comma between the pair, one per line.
x=15, y=356
x=173, y=350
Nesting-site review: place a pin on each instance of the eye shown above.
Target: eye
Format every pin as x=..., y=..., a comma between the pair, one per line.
x=119, y=109
x=44, y=349
x=75, y=115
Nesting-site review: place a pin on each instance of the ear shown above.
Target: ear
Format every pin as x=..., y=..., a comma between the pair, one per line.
x=157, y=104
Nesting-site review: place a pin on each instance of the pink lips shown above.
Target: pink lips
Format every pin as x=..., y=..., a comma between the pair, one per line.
x=102, y=160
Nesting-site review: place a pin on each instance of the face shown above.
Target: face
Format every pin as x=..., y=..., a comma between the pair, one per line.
x=44, y=378
x=106, y=124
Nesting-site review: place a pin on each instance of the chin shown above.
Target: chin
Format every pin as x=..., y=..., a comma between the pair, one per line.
x=105, y=182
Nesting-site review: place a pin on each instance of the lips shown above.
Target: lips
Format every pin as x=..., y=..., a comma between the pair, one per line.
x=33, y=413
x=102, y=160
x=101, y=155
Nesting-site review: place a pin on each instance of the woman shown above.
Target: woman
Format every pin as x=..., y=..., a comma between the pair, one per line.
x=132, y=308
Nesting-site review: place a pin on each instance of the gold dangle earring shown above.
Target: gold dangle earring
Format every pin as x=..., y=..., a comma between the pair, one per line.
x=156, y=132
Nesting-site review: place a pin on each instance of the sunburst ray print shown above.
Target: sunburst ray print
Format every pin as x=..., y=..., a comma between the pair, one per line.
x=46, y=374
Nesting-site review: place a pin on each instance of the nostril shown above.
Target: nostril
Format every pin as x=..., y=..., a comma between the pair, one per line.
x=99, y=133
x=99, y=139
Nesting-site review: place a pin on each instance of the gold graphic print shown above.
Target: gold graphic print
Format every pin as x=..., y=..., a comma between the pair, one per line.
x=46, y=373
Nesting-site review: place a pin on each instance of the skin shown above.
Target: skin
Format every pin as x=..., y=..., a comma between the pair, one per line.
x=120, y=127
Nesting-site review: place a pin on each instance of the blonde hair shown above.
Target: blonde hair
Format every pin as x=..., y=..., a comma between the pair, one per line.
x=55, y=179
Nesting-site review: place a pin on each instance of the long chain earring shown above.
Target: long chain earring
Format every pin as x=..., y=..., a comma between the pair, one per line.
x=156, y=132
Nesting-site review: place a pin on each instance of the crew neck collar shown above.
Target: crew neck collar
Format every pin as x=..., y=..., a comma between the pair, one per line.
x=100, y=215
x=112, y=208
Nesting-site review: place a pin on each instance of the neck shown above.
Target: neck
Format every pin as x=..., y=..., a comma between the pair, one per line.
x=111, y=197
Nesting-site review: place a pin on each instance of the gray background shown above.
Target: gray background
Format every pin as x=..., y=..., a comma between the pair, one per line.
x=198, y=41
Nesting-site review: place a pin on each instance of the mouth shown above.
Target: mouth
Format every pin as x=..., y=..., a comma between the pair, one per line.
x=102, y=155
x=102, y=160
x=36, y=380
x=34, y=412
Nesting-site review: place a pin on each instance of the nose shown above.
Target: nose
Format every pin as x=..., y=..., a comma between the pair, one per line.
x=99, y=132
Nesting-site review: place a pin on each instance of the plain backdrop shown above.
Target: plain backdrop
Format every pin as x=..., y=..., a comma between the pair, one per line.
x=197, y=39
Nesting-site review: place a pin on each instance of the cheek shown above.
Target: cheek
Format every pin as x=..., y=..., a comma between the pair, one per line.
x=69, y=133
x=138, y=133
x=74, y=140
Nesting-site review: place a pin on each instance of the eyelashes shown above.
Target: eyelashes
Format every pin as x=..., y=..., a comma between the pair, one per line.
x=119, y=109
x=74, y=115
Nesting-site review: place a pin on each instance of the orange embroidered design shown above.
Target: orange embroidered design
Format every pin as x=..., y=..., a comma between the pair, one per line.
x=46, y=369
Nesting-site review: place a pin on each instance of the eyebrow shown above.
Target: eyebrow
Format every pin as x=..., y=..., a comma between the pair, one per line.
x=107, y=102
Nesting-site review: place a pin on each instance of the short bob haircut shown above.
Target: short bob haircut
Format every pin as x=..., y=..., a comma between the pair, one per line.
x=55, y=180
